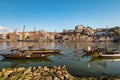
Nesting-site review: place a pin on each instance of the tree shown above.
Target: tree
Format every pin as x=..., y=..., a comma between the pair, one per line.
x=117, y=31
x=89, y=27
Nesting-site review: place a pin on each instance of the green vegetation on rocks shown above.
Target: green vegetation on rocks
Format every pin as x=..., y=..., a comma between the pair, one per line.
x=45, y=73
x=36, y=73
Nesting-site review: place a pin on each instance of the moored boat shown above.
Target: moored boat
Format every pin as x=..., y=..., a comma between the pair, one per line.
x=25, y=55
x=30, y=52
x=102, y=52
x=94, y=51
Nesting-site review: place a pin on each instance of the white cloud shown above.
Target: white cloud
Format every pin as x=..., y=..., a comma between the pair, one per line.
x=4, y=29
x=1, y=28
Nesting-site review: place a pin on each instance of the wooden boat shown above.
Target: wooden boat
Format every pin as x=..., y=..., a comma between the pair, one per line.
x=102, y=52
x=27, y=55
x=94, y=51
x=20, y=53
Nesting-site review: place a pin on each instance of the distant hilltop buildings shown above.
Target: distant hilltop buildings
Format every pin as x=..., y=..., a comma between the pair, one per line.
x=79, y=33
x=80, y=29
x=82, y=33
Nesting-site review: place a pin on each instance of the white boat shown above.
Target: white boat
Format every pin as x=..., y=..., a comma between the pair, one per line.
x=114, y=55
x=104, y=60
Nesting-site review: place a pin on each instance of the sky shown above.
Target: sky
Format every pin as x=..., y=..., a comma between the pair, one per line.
x=56, y=15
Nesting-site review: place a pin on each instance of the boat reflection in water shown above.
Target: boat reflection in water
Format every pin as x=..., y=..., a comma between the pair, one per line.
x=12, y=63
x=102, y=61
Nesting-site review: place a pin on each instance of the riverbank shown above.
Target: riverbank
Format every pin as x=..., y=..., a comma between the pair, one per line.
x=45, y=73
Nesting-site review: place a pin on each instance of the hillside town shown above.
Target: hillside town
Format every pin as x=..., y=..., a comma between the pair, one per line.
x=79, y=33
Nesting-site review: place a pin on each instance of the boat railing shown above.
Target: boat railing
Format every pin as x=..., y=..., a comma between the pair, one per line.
x=6, y=50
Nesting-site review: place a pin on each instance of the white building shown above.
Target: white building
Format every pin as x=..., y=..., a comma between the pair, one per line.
x=79, y=27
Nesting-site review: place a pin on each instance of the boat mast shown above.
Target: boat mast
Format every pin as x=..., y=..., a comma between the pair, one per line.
x=106, y=37
x=23, y=36
x=34, y=33
x=34, y=36
x=106, y=33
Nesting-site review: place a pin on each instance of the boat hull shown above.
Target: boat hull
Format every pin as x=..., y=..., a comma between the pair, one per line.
x=24, y=56
x=109, y=55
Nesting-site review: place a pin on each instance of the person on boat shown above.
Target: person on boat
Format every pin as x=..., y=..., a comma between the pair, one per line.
x=30, y=47
x=89, y=48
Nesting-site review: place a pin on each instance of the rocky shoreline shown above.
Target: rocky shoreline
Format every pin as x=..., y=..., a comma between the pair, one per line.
x=45, y=73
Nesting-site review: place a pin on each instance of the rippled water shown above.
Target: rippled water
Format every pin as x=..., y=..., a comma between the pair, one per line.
x=71, y=56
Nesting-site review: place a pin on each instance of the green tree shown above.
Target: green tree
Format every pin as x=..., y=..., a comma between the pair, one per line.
x=117, y=31
x=89, y=27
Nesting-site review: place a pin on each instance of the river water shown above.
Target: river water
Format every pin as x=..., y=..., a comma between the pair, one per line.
x=71, y=56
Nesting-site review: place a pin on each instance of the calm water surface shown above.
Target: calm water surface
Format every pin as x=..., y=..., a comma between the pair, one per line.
x=71, y=56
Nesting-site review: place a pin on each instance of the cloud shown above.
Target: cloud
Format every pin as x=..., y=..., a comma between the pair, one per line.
x=1, y=28
x=4, y=29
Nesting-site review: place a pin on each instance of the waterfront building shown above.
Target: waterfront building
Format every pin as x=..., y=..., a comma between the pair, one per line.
x=3, y=36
